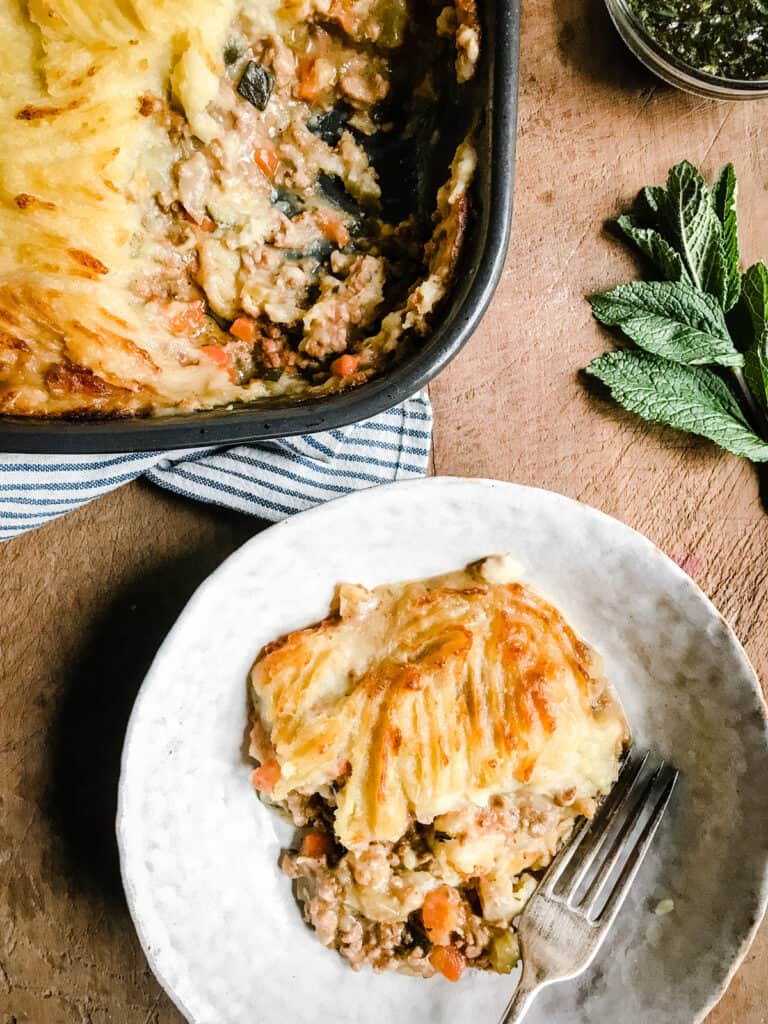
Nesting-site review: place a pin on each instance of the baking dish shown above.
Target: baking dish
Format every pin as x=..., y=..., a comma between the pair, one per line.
x=494, y=97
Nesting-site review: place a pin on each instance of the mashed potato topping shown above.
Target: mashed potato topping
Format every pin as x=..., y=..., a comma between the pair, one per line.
x=441, y=738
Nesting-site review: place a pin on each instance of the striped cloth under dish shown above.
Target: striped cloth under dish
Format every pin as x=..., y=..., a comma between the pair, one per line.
x=270, y=480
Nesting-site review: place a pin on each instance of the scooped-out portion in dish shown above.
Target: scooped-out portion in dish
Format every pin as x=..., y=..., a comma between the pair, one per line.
x=435, y=742
x=211, y=203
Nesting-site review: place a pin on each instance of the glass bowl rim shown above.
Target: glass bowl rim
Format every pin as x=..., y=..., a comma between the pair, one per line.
x=628, y=22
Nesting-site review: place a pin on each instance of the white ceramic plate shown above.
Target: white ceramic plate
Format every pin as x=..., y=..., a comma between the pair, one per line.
x=199, y=852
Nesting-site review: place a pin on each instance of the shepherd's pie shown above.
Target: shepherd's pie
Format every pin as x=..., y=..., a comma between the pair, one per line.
x=437, y=741
x=201, y=200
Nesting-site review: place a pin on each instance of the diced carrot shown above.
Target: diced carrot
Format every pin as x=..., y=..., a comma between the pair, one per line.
x=440, y=914
x=333, y=227
x=266, y=777
x=220, y=355
x=448, y=961
x=345, y=365
x=244, y=328
x=315, y=76
x=316, y=844
x=306, y=67
x=265, y=159
x=185, y=318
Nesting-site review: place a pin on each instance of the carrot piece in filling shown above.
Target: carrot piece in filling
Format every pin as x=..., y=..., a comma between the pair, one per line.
x=448, y=961
x=266, y=777
x=345, y=365
x=316, y=844
x=221, y=356
x=440, y=914
x=244, y=328
x=333, y=227
x=265, y=159
x=315, y=76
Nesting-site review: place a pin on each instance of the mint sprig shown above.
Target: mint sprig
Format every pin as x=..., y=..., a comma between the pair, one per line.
x=698, y=324
x=755, y=304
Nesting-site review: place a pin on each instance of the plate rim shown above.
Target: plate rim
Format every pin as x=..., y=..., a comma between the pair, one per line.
x=367, y=494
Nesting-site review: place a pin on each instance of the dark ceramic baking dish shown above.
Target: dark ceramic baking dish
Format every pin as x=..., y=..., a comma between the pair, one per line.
x=493, y=95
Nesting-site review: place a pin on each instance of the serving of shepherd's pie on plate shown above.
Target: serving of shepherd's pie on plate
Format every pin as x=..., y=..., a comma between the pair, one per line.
x=437, y=740
x=431, y=740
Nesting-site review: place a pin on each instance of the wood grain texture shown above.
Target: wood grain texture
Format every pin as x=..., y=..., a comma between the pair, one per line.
x=85, y=601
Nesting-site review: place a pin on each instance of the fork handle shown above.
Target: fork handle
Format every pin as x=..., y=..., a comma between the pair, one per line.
x=521, y=1001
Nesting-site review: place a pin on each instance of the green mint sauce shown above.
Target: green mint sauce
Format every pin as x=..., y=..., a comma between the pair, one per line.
x=727, y=38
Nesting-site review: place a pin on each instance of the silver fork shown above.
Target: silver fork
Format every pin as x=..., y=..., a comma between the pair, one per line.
x=562, y=928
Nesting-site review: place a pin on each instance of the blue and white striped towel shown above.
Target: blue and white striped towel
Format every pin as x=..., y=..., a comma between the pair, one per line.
x=270, y=480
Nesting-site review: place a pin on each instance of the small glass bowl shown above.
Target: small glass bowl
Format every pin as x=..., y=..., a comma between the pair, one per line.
x=674, y=71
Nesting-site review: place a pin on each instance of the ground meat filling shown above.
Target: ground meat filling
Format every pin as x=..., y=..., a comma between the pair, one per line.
x=269, y=243
x=402, y=906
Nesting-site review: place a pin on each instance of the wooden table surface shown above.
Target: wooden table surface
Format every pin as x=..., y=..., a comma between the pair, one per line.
x=85, y=601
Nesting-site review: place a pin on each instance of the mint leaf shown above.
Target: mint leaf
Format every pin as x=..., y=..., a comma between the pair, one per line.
x=651, y=202
x=684, y=397
x=754, y=292
x=691, y=225
x=655, y=248
x=724, y=195
x=670, y=319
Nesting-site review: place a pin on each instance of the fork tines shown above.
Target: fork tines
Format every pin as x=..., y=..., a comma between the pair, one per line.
x=606, y=853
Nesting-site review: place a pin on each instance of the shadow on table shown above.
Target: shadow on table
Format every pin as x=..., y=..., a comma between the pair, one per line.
x=589, y=42
x=97, y=696
x=761, y=468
